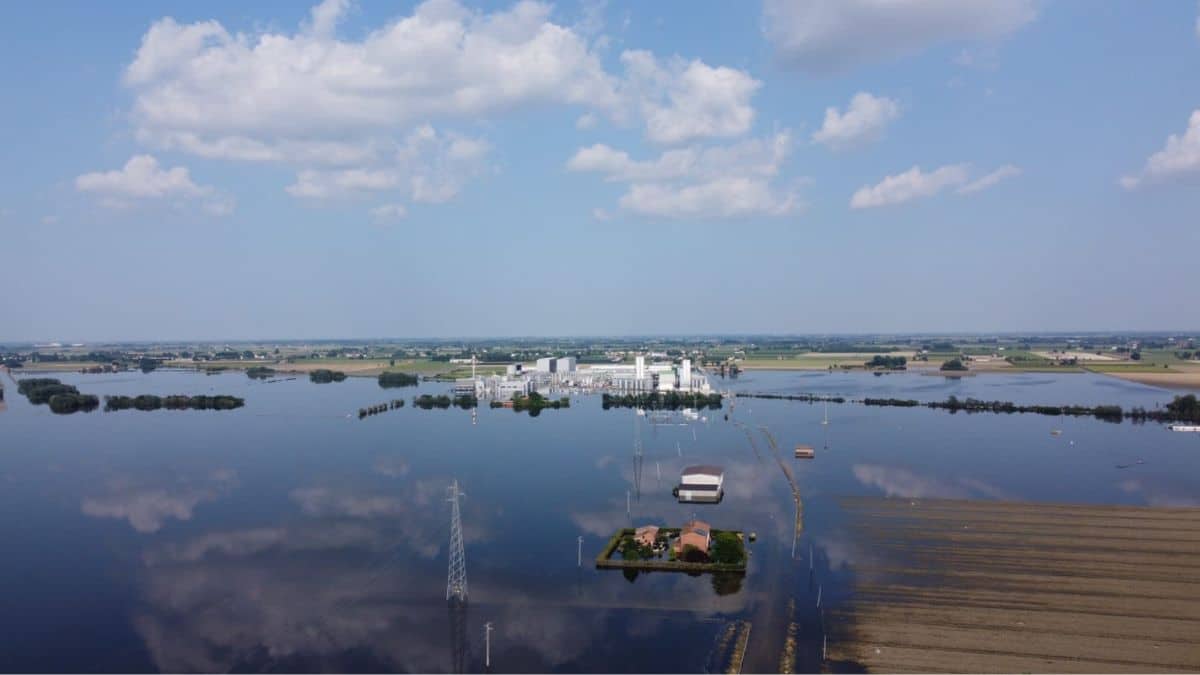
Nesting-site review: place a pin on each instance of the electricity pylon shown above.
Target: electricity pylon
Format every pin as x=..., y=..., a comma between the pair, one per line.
x=456, y=578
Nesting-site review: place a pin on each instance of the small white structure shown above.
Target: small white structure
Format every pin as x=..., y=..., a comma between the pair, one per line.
x=702, y=483
x=639, y=372
x=506, y=388
x=685, y=375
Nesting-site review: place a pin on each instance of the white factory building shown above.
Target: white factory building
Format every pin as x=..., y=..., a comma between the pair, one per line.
x=652, y=377
x=702, y=483
x=551, y=372
x=499, y=387
x=563, y=364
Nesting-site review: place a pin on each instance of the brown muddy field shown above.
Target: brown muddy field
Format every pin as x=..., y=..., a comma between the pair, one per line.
x=978, y=586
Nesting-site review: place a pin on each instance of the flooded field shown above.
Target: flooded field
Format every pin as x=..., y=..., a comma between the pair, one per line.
x=951, y=585
x=289, y=535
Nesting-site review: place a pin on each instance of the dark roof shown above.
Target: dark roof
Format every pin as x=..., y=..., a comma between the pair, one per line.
x=697, y=488
x=705, y=469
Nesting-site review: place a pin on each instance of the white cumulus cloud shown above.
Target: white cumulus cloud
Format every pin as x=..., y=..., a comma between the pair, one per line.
x=830, y=35
x=917, y=184
x=683, y=101
x=724, y=181
x=911, y=184
x=863, y=121
x=428, y=166
x=142, y=178
x=1003, y=173
x=1181, y=155
x=343, y=111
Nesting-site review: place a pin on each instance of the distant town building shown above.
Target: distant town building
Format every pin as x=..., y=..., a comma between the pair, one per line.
x=547, y=365
x=701, y=483
x=513, y=369
x=565, y=364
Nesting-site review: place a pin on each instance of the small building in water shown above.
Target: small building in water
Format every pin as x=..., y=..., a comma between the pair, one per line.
x=695, y=533
x=646, y=535
x=701, y=483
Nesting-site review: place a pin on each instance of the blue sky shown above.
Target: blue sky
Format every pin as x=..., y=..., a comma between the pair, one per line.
x=366, y=169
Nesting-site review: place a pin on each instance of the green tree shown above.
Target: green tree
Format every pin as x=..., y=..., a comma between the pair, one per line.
x=692, y=554
x=954, y=364
x=727, y=549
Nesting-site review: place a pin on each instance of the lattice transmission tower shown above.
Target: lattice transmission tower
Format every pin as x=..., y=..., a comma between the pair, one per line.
x=456, y=578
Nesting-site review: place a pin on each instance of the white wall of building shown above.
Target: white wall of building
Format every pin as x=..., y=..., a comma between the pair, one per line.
x=703, y=479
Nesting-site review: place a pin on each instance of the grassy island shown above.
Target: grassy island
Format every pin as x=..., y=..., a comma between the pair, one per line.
x=324, y=376
x=391, y=380
x=442, y=401
x=63, y=399
x=259, y=372
x=727, y=553
x=174, y=402
x=534, y=403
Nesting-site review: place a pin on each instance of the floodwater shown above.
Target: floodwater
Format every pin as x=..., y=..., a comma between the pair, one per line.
x=291, y=536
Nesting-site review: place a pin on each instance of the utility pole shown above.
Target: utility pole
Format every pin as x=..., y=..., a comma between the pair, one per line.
x=487, y=644
x=628, y=508
x=456, y=577
x=580, y=561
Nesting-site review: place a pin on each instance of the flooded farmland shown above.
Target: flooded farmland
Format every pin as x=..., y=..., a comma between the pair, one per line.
x=290, y=535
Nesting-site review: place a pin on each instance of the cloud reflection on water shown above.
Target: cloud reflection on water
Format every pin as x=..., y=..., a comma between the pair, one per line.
x=147, y=507
x=900, y=482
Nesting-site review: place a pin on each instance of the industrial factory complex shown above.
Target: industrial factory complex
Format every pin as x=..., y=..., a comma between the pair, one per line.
x=564, y=373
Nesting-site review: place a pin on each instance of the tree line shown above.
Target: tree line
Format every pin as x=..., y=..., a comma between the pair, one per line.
x=671, y=400
x=1185, y=408
x=391, y=380
x=888, y=362
x=442, y=401
x=1182, y=409
x=172, y=402
x=954, y=365
x=324, y=376
x=63, y=399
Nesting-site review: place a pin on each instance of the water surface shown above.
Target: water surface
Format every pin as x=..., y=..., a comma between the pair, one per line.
x=291, y=536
